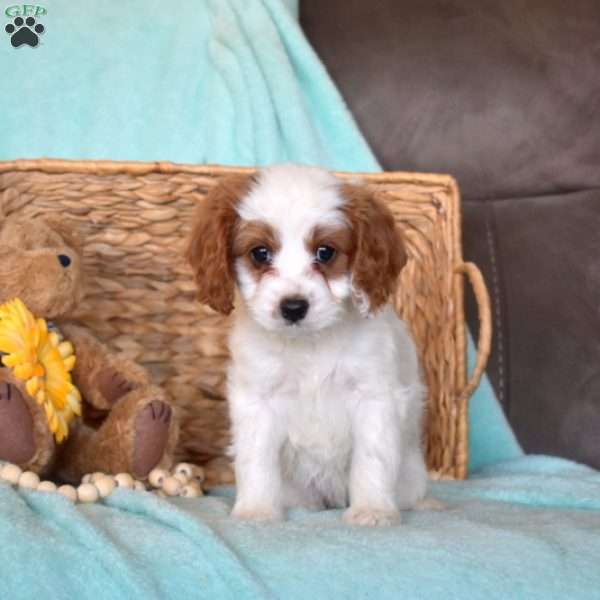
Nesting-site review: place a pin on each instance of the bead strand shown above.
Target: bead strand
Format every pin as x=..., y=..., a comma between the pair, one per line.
x=184, y=480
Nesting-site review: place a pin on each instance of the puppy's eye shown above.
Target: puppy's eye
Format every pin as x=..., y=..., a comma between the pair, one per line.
x=324, y=254
x=261, y=255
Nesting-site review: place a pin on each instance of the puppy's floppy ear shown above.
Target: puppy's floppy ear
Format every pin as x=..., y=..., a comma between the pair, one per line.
x=209, y=248
x=379, y=251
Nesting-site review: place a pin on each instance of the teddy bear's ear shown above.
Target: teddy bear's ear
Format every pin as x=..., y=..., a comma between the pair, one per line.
x=67, y=231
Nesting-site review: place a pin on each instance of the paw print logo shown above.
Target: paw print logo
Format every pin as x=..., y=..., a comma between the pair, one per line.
x=24, y=32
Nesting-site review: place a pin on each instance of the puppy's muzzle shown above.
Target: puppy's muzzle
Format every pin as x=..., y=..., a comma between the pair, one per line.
x=293, y=310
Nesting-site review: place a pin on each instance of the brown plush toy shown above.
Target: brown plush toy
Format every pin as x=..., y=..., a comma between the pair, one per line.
x=127, y=424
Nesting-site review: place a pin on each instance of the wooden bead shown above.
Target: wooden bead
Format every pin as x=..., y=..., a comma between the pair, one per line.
x=192, y=471
x=226, y=478
x=96, y=476
x=124, y=480
x=46, y=486
x=87, y=493
x=156, y=477
x=199, y=475
x=105, y=486
x=184, y=469
x=11, y=473
x=29, y=480
x=171, y=486
x=191, y=490
x=68, y=491
x=182, y=478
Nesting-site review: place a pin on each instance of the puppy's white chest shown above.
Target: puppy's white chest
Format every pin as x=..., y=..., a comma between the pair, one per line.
x=318, y=415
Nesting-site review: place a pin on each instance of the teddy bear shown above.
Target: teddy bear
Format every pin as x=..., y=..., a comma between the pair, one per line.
x=126, y=423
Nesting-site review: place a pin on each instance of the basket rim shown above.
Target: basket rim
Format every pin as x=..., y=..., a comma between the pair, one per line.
x=114, y=167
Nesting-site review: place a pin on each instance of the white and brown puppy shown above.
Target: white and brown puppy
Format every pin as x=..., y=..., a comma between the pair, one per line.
x=324, y=386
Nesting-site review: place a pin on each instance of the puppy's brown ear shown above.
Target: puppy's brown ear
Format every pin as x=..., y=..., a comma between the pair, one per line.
x=379, y=251
x=209, y=247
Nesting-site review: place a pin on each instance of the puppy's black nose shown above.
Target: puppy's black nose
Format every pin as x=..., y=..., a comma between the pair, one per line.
x=293, y=309
x=64, y=260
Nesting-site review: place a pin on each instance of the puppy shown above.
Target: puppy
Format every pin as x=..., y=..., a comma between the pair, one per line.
x=324, y=386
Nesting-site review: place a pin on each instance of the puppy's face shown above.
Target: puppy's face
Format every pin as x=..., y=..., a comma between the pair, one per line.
x=302, y=248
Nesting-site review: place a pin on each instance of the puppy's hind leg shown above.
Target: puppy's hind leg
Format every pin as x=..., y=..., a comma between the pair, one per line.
x=412, y=485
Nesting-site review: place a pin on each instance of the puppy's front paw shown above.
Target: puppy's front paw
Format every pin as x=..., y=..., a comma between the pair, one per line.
x=368, y=517
x=245, y=512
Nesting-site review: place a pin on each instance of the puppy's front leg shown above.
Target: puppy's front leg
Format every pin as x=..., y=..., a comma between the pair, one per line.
x=374, y=467
x=257, y=444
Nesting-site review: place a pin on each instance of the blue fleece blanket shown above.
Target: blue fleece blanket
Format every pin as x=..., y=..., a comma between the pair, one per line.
x=197, y=81
x=234, y=81
x=528, y=529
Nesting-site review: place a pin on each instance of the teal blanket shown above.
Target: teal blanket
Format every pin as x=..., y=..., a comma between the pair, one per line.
x=194, y=81
x=527, y=529
x=234, y=81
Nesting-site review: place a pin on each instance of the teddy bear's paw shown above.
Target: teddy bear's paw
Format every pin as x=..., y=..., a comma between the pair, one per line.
x=113, y=385
x=151, y=436
x=16, y=426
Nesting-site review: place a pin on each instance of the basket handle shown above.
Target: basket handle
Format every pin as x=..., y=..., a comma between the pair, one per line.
x=475, y=278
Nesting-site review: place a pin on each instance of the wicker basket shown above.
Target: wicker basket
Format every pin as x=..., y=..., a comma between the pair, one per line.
x=141, y=299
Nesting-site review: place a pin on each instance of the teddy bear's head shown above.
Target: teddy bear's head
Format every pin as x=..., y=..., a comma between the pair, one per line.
x=40, y=263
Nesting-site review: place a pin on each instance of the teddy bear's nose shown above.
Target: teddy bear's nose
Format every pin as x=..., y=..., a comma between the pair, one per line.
x=64, y=260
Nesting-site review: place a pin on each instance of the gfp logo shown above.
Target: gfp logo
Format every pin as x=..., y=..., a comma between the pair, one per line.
x=24, y=28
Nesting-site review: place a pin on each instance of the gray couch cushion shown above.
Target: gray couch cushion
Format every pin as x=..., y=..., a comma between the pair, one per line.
x=505, y=95
x=542, y=259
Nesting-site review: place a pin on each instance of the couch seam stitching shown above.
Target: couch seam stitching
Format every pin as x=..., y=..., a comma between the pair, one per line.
x=496, y=309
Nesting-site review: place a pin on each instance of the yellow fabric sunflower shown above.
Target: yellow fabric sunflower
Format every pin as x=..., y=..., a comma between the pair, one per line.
x=43, y=361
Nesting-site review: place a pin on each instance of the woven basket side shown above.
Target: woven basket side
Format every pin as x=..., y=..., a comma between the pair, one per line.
x=140, y=297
